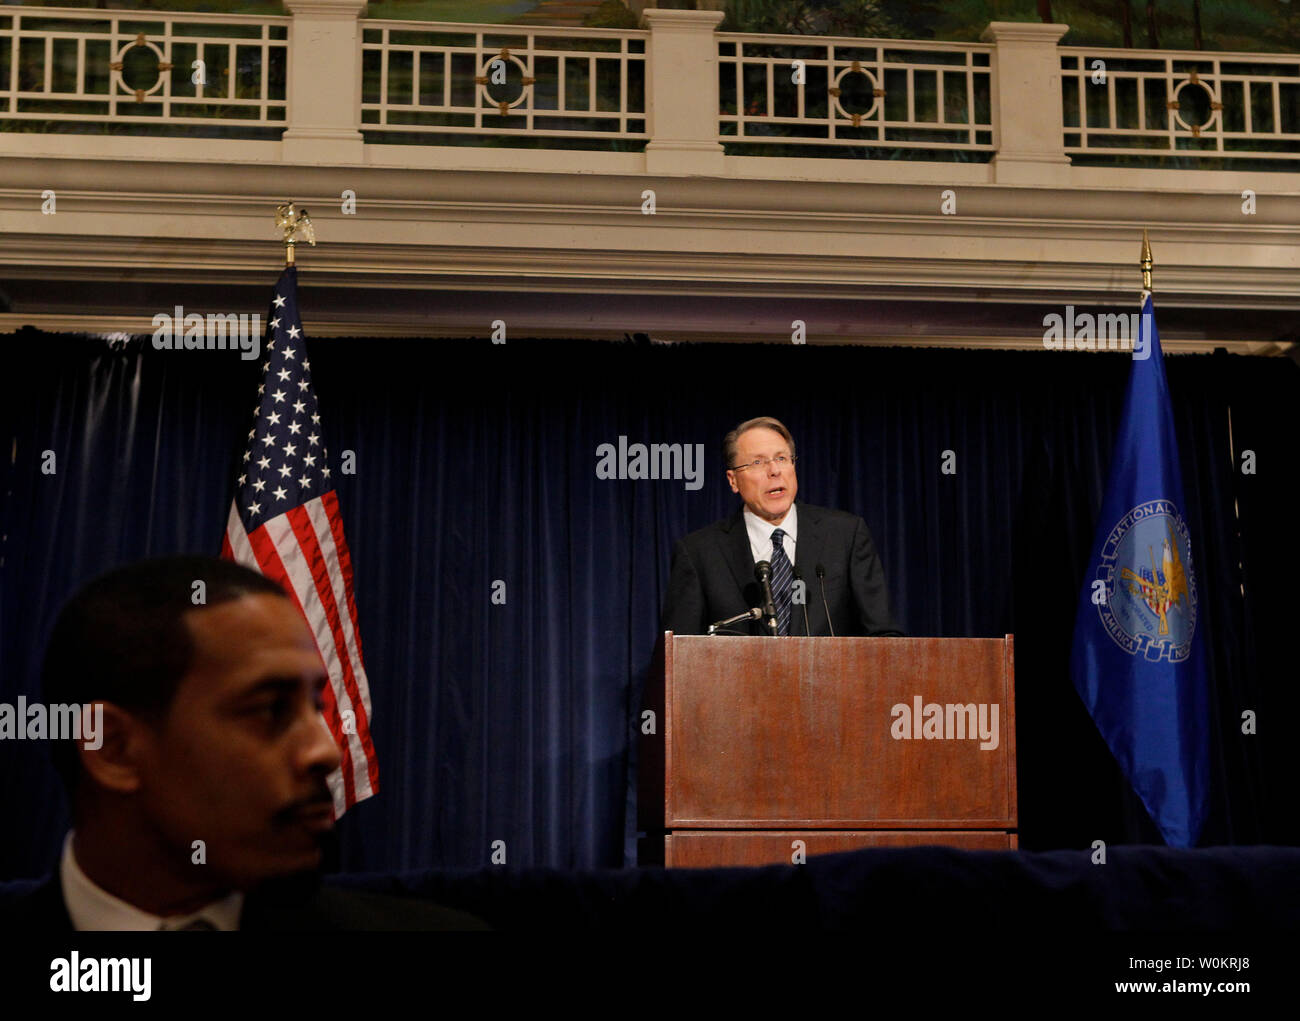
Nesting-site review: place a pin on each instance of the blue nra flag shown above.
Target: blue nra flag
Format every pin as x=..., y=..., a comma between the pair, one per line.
x=1137, y=660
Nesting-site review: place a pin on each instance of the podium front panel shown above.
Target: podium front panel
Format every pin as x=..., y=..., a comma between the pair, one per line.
x=839, y=733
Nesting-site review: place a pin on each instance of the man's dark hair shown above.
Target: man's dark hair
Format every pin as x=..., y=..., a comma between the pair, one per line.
x=122, y=637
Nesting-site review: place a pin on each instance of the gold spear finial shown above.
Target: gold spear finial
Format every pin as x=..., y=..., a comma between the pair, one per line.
x=294, y=221
x=1146, y=261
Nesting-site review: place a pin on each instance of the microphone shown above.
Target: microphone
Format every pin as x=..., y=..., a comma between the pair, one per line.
x=798, y=576
x=763, y=572
x=753, y=613
x=821, y=580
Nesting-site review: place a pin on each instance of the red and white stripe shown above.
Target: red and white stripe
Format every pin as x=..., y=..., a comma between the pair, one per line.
x=304, y=551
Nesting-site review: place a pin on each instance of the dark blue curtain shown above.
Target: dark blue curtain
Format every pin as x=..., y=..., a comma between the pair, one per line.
x=476, y=464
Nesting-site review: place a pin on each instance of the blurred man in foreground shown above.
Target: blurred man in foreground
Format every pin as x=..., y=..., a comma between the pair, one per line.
x=205, y=804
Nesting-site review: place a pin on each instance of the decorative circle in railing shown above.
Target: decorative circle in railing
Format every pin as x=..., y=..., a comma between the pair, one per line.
x=502, y=88
x=855, y=93
x=139, y=68
x=1194, y=105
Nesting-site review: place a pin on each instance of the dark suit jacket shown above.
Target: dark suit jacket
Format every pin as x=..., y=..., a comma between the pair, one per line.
x=713, y=577
x=286, y=907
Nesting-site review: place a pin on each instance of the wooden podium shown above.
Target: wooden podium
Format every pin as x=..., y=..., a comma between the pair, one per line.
x=768, y=748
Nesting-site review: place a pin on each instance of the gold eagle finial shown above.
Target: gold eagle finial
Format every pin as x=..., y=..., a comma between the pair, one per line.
x=296, y=225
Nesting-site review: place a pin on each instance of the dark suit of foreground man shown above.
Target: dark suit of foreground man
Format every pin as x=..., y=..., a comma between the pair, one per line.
x=211, y=733
x=713, y=569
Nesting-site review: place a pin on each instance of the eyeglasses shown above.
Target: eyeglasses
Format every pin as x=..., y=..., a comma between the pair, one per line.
x=781, y=461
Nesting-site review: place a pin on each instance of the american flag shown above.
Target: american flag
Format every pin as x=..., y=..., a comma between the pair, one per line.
x=285, y=522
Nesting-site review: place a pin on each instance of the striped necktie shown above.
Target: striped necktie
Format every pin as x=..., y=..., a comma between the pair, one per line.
x=782, y=576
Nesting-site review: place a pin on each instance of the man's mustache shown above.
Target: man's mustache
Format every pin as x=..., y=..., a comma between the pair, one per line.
x=321, y=799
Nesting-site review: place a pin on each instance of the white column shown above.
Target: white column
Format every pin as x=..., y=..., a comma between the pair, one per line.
x=324, y=82
x=1027, y=110
x=682, y=92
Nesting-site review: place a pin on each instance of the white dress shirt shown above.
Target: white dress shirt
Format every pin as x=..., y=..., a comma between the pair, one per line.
x=94, y=909
x=760, y=534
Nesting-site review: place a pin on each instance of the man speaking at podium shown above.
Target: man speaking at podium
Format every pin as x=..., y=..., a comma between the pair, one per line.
x=723, y=575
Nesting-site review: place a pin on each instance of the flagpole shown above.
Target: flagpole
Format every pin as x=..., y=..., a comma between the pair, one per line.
x=1146, y=261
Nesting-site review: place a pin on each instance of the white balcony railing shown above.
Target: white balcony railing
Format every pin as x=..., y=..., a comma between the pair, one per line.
x=855, y=92
x=677, y=89
x=74, y=67
x=499, y=80
x=1225, y=105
